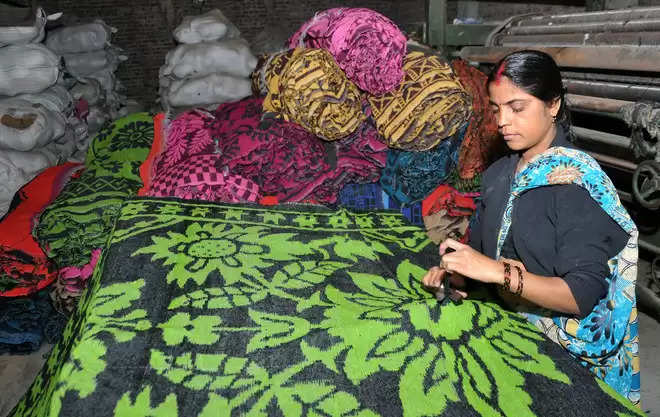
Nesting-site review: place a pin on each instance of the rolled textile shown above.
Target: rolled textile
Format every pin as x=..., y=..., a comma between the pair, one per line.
x=361, y=157
x=310, y=89
x=481, y=142
x=429, y=105
x=368, y=46
x=410, y=176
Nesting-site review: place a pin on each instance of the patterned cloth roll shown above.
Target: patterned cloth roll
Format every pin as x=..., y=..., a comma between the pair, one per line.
x=481, y=142
x=410, y=176
x=305, y=86
x=368, y=46
x=429, y=105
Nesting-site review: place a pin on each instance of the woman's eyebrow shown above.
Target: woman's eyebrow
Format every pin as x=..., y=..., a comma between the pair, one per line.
x=515, y=100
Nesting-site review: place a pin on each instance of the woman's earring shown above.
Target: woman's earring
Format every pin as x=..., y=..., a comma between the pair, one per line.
x=554, y=119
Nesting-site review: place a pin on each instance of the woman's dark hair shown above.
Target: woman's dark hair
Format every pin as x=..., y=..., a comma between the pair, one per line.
x=537, y=74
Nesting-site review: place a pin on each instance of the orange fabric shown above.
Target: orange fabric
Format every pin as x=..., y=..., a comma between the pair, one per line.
x=146, y=169
x=270, y=200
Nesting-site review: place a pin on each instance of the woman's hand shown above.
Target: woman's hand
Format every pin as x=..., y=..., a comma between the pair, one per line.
x=433, y=279
x=468, y=262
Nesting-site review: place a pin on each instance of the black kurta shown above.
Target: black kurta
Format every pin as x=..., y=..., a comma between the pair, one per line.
x=555, y=230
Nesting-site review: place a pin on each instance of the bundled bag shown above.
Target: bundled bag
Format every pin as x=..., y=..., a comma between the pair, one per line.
x=80, y=38
x=56, y=99
x=106, y=79
x=210, y=26
x=27, y=69
x=18, y=168
x=87, y=63
x=88, y=89
x=208, y=90
x=231, y=57
x=21, y=35
x=25, y=126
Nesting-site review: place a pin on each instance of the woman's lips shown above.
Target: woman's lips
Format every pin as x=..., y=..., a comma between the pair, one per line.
x=509, y=136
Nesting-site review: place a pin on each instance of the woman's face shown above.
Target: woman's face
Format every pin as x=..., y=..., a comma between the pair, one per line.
x=524, y=121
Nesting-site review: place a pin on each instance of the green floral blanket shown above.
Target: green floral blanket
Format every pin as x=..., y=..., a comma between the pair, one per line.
x=200, y=309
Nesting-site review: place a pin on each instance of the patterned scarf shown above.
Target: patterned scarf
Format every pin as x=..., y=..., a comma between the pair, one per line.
x=428, y=106
x=606, y=341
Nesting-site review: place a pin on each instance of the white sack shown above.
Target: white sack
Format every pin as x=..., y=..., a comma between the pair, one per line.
x=25, y=126
x=97, y=117
x=88, y=89
x=80, y=38
x=211, y=89
x=106, y=79
x=18, y=168
x=56, y=99
x=232, y=57
x=86, y=63
x=28, y=33
x=210, y=26
x=27, y=68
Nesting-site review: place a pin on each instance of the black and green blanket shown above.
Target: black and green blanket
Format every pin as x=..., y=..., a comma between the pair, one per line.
x=200, y=309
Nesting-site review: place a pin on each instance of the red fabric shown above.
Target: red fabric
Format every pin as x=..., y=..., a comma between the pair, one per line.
x=447, y=198
x=147, y=167
x=24, y=268
x=481, y=140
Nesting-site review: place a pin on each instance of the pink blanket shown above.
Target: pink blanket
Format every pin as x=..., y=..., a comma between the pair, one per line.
x=368, y=46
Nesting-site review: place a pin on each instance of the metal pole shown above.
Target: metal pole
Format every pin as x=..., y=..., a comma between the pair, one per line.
x=618, y=91
x=602, y=137
x=617, y=78
x=624, y=58
x=615, y=26
x=613, y=162
x=579, y=39
x=599, y=104
x=436, y=22
x=622, y=14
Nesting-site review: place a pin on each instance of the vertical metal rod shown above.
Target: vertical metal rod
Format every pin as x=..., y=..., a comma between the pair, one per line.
x=437, y=22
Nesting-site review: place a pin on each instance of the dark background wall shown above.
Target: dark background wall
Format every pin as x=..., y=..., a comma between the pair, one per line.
x=144, y=32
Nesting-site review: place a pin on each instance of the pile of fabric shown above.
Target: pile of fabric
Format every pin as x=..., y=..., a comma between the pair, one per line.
x=90, y=63
x=38, y=125
x=211, y=65
x=344, y=105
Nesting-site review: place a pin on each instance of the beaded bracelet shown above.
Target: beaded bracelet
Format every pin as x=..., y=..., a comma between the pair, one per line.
x=507, y=276
x=519, y=289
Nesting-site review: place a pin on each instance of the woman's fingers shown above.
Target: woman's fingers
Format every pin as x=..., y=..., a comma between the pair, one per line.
x=433, y=277
x=450, y=243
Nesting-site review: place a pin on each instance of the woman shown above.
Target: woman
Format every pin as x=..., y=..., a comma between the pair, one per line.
x=550, y=230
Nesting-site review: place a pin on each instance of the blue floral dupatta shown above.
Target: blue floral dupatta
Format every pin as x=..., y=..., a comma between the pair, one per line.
x=606, y=341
